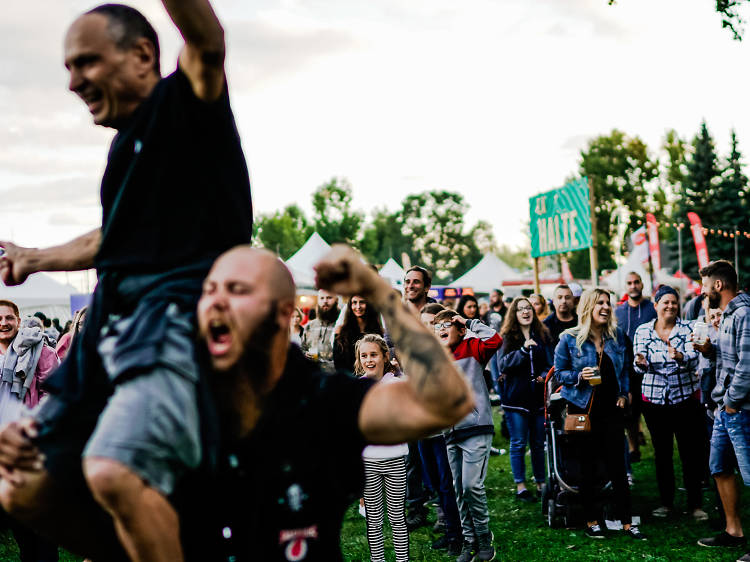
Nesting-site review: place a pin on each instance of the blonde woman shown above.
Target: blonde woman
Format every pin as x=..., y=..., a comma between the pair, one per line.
x=385, y=465
x=541, y=306
x=591, y=363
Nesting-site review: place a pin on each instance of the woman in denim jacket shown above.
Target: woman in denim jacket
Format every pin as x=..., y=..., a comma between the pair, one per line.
x=591, y=361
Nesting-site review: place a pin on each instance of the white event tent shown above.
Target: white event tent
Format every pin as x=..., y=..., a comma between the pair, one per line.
x=393, y=272
x=301, y=263
x=41, y=293
x=488, y=274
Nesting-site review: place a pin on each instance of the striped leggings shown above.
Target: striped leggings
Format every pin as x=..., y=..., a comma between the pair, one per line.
x=390, y=473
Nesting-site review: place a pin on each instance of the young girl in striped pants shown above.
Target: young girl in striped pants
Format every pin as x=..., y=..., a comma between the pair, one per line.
x=384, y=464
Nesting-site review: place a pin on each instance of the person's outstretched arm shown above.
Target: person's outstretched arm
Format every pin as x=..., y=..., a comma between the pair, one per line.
x=202, y=58
x=18, y=263
x=435, y=394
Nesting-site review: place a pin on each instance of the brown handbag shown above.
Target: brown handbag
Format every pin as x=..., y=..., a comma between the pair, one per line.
x=581, y=423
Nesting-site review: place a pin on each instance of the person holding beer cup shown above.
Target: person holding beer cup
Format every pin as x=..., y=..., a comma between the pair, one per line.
x=591, y=361
x=665, y=356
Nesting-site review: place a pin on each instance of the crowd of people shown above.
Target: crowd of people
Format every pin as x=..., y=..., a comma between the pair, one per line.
x=199, y=414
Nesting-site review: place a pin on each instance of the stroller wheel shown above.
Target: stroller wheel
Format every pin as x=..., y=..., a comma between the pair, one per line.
x=544, y=496
x=552, y=514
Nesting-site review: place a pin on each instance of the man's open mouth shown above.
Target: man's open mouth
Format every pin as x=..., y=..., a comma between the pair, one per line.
x=219, y=337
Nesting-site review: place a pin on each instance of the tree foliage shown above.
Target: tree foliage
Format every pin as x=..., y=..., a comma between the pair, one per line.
x=283, y=232
x=622, y=172
x=433, y=224
x=333, y=216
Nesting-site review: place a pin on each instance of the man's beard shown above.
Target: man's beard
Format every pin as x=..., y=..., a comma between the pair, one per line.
x=714, y=299
x=636, y=295
x=255, y=361
x=419, y=298
x=328, y=316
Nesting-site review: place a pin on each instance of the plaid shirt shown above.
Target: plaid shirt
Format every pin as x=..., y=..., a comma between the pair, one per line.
x=666, y=381
x=318, y=335
x=733, y=355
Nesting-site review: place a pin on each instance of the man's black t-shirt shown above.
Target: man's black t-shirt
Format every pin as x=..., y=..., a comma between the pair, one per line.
x=176, y=190
x=557, y=326
x=281, y=492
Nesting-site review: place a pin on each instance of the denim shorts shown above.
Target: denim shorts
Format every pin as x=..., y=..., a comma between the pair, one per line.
x=151, y=423
x=730, y=444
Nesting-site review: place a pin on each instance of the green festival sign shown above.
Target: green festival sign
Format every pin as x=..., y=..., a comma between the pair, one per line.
x=561, y=219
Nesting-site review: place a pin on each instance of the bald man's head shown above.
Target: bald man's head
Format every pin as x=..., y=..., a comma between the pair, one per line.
x=248, y=293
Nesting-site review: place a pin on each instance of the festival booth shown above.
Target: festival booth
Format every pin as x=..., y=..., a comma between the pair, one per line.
x=41, y=293
x=488, y=274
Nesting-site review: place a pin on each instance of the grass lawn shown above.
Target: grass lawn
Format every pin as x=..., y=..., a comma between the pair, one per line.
x=522, y=534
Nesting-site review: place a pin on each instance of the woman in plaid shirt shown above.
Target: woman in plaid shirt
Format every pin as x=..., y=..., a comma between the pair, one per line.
x=664, y=355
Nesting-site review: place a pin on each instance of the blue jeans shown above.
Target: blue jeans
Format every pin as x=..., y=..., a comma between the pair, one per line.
x=730, y=444
x=526, y=428
x=435, y=460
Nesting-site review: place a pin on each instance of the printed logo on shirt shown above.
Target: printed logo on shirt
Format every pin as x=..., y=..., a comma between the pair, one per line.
x=137, y=146
x=296, y=539
x=295, y=496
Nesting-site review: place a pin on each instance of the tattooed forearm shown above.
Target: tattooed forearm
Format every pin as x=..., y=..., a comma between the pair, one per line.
x=429, y=368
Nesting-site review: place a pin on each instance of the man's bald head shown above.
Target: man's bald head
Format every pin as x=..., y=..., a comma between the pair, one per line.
x=246, y=306
x=268, y=266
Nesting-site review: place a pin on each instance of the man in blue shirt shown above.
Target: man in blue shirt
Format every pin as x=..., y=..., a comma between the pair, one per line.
x=635, y=311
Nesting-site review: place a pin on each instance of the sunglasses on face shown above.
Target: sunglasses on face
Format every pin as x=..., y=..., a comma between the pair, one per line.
x=442, y=325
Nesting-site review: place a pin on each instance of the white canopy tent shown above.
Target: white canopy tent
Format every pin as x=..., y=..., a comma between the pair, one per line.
x=301, y=263
x=41, y=293
x=393, y=273
x=488, y=274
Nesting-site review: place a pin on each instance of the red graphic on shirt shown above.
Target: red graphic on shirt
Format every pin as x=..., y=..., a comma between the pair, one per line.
x=296, y=550
x=296, y=539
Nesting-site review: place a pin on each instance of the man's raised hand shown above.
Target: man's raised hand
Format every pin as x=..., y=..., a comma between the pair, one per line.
x=14, y=268
x=343, y=272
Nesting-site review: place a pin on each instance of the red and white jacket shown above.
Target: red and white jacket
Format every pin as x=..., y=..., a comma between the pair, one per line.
x=471, y=357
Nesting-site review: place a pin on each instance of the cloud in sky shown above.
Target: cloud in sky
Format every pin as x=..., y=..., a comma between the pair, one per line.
x=490, y=98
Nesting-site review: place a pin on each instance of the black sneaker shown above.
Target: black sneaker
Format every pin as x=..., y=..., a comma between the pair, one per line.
x=467, y=552
x=454, y=547
x=594, y=532
x=442, y=543
x=485, y=550
x=525, y=496
x=635, y=533
x=723, y=539
x=415, y=520
x=494, y=452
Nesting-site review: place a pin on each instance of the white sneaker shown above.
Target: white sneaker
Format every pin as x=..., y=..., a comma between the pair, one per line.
x=362, y=511
x=662, y=511
x=700, y=515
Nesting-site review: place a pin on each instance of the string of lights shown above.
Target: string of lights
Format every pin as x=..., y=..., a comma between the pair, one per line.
x=725, y=231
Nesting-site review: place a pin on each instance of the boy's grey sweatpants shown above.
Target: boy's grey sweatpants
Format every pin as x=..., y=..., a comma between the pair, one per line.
x=468, y=459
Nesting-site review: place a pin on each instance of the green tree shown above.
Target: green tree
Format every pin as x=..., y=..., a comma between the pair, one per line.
x=622, y=173
x=433, y=224
x=729, y=208
x=517, y=258
x=333, y=217
x=696, y=193
x=282, y=232
x=382, y=237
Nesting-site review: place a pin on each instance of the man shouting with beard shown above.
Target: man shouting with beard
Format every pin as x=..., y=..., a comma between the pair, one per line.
x=317, y=339
x=289, y=463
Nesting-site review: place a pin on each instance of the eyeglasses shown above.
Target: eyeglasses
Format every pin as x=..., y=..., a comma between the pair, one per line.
x=442, y=325
x=525, y=309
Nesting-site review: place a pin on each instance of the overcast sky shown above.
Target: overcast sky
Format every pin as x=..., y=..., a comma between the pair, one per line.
x=490, y=98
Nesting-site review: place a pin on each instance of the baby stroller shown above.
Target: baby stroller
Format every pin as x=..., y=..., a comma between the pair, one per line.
x=559, y=496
